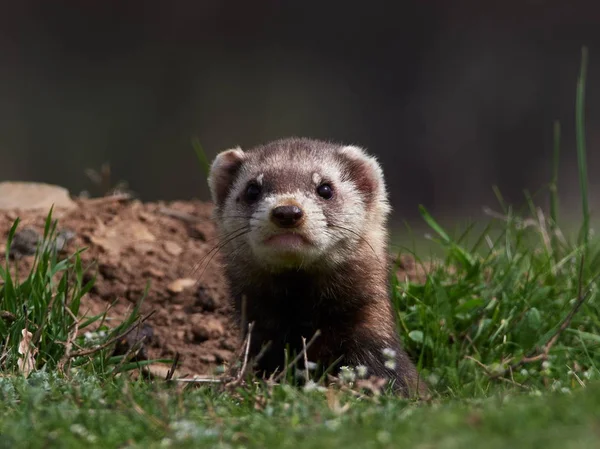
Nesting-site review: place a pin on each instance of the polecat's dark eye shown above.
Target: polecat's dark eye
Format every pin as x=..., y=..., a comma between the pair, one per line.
x=252, y=193
x=325, y=191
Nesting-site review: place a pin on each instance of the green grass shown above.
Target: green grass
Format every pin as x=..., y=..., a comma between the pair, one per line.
x=39, y=324
x=505, y=329
x=46, y=411
x=507, y=296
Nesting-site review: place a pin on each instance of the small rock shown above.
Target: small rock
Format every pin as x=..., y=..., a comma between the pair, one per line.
x=180, y=285
x=205, y=328
x=32, y=196
x=172, y=248
x=24, y=243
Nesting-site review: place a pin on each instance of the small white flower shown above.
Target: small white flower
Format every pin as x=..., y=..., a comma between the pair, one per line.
x=524, y=372
x=390, y=364
x=361, y=371
x=347, y=374
x=389, y=353
x=546, y=365
x=311, y=385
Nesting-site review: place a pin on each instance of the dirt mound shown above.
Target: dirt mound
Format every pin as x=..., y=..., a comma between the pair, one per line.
x=132, y=244
x=165, y=245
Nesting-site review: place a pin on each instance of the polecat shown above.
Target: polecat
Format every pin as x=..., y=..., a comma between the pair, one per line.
x=302, y=227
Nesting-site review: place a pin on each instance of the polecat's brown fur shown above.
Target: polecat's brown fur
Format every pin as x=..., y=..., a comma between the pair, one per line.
x=303, y=232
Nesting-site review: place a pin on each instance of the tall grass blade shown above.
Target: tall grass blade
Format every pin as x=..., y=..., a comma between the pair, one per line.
x=554, y=182
x=581, y=147
x=204, y=162
x=466, y=259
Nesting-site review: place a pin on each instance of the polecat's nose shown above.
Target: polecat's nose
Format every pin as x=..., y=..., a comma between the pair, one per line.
x=287, y=216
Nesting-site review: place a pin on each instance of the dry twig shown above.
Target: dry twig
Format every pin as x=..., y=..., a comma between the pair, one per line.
x=70, y=340
x=203, y=380
x=306, y=373
x=242, y=371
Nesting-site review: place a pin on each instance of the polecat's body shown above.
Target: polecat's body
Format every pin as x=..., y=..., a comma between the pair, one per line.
x=302, y=225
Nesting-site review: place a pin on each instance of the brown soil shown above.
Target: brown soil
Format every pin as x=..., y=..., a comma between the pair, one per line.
x=129, y=244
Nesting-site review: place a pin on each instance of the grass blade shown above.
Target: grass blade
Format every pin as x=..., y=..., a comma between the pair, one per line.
x=204, y=162
x=554, y=182
x=581, y=147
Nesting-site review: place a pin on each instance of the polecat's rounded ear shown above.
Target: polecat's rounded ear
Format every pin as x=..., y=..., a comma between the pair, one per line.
x=222, y=173
x=365, y=171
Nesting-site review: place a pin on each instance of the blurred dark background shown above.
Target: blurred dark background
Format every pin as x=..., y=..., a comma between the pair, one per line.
x=453, y=96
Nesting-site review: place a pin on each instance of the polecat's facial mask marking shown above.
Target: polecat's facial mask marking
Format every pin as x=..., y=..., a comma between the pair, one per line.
x=301, y=205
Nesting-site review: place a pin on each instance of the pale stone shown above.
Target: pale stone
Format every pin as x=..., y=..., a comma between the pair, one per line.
x=32, y=196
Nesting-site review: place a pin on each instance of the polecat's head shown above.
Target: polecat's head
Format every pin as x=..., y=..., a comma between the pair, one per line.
x=299, y=203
